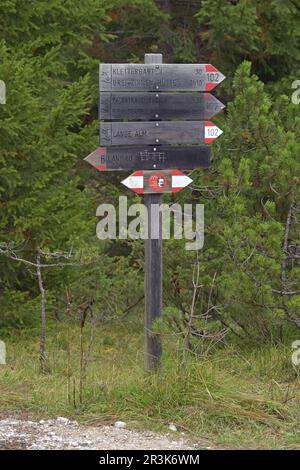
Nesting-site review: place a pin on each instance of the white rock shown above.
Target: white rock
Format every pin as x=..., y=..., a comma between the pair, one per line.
x=120, y=424
x=172, y=427
x=50, y=422
x=63, y=421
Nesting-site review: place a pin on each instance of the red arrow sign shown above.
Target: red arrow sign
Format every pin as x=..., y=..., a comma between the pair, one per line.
x=163, y=181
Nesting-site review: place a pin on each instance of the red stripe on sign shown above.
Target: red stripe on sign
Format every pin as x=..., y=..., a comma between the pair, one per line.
x=210, y=68
x=138, y=173
x=137, y=190
x=210, y=86
x=101, y=151
x=208, y=140
x=176, y=172
x=101, y=167
x=175, y=190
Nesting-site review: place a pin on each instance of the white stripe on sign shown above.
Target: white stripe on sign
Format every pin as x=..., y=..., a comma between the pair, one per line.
x=134, y=182
x=180, y=181
x=212, y=132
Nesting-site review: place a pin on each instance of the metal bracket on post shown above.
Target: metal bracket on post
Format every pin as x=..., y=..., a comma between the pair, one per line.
x=153, y=268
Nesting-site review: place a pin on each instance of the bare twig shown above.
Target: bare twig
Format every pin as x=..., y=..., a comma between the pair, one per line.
x=84, y=309
x=186, y=341
x=43, y=313
x=286, y=242
x=128, y=309
x=69, y=315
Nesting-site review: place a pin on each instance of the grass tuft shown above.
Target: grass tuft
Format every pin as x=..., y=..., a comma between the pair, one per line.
x=247, y=399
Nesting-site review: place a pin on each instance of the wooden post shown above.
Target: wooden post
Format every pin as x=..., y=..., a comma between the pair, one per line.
x=153, y=269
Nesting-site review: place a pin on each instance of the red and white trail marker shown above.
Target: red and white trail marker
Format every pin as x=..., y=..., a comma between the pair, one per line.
x=211, y=132
x=213, y=77
x=163, y=181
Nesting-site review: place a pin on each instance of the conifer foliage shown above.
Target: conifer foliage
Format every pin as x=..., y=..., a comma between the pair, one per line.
x=49, y=56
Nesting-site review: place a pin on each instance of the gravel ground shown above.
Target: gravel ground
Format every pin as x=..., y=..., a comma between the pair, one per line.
x=63, y=434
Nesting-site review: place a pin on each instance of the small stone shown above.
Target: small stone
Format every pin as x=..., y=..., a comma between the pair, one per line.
x=120, y=425
x=172, y=427
x=50, y=422
x=63, y=421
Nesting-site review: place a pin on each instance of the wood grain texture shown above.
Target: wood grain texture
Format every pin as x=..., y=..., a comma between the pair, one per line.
x=159, y=77
x=153, y=270
x=158, y=106
x=149, y=133
x=150, y=158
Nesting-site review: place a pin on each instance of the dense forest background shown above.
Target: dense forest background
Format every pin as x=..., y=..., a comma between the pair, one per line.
x=249, y=268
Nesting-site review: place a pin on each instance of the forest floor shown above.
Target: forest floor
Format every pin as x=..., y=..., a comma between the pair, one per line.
x=232, y=395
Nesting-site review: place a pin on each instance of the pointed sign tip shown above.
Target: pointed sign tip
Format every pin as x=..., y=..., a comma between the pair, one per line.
x=215, y=77
x=125, y=182
x=211, y=132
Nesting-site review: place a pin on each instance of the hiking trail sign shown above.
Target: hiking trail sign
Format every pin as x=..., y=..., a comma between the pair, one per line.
x=166, y=181
x=159, y=77
x=163, y=106
x=147, y=157
x=167, y=108
x=159, y=132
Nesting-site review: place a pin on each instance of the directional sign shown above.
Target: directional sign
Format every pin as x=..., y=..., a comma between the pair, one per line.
x=150, y=158
x=159, y=77
x=160, y=132
x=163, y=106
x=164, y=181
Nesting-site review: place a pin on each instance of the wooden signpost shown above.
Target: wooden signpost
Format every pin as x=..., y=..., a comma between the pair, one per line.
x=167, y=130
